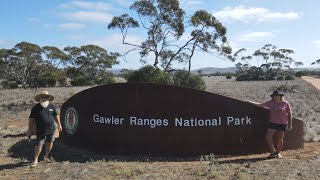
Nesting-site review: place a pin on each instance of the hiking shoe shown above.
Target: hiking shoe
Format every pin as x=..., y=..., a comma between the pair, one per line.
x=272, y=155
x=279, y=156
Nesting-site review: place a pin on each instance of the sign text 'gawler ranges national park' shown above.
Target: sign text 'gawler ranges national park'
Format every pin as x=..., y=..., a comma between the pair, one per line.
x=160, y=119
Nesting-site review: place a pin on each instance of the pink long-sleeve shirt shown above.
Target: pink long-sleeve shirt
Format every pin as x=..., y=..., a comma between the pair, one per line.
x=279, y=111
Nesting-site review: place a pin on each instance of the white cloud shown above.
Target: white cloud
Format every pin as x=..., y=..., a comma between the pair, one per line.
x=246, y=14
x=72, y=26
x=255, y=36
x=87, y=16
x=316, y=43
x=191, y=4
x=98, y=6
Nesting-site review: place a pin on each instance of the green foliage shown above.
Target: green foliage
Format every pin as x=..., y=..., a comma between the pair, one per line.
x=228, y=76
x=126, y=73
x=274, y=61
x=105, y=78
x=299, y=74
x=149, y=74
x=27, y=62
x=90, y=60
x=280, y=78
x=243, y=77
x=62, y=81
x=51, y=82
x=82, y=81
x=9, y=84
x=186, y=79
x=165, y=22
x=317, y=62
x=251, y=74
x=290, y=77
x=46, y=82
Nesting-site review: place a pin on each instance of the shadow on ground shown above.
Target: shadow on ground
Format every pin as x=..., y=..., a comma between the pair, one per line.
x=60, y=152
x=13, y=166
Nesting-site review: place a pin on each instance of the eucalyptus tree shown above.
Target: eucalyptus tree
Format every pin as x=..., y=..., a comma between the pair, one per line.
x=21, y=61
x=91, y=60
x=26, y=63
x=166, y=26
x=317, y=62
x=269, y=60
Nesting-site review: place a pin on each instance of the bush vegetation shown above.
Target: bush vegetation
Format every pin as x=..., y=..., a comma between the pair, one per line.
x=186, y=79
x=151, y=74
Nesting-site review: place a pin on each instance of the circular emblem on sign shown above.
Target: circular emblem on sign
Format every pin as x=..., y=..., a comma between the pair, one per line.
x=71, y=121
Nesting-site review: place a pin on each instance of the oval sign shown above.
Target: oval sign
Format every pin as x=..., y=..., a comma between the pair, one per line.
x=161, y=119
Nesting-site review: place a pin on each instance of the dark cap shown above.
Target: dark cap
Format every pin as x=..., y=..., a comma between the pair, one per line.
x=276, y=93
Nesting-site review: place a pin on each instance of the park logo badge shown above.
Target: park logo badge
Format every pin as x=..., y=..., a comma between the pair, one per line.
x=71, y=121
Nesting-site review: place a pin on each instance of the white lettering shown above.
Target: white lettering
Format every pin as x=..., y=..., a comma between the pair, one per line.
x=96, y=118
x=238, y=121
x=197, y=122
x=177, y=121
x=229, y=120
x=133, y=120
x=107, y=120
x=248, y=120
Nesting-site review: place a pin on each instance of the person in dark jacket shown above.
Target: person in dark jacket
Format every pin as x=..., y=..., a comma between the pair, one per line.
x=43, y=115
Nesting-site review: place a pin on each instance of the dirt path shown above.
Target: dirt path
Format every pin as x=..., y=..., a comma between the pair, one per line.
x=313, y=81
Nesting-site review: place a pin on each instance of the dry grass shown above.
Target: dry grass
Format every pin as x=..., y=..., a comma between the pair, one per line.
x=71, y=163
x=303, y=98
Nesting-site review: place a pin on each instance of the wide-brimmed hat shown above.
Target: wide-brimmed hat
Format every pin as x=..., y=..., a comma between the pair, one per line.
x=276, y=93
x=43, y=94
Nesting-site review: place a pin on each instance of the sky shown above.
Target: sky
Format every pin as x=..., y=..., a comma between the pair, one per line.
x=289, y=24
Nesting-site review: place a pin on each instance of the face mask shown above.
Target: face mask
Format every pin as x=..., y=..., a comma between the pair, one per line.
x=44, y=104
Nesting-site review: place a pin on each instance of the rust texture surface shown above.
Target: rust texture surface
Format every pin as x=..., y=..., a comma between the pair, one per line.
x=160, y=119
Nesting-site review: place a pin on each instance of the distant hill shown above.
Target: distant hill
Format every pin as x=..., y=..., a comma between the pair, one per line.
x=115, y=72
x=210, y=70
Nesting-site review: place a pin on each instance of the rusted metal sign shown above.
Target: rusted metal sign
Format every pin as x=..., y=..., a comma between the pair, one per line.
x=160, y=119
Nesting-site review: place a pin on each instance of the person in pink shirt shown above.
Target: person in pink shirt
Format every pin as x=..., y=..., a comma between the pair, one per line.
x=280, y=122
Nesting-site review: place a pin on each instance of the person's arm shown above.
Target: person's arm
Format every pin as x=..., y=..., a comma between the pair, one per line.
x=289, y=118
x=30, y=127
x=57, y=119
x=257, y=104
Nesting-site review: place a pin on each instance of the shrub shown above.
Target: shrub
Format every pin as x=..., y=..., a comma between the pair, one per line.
x=106, y=80
x=299, y=74
x=149, y=74
x=185, y=79
x=82, y=81
x=243, y=77
x=228, y=76
x=51, y=82
x=290, y=77
x=62, y=81
x=280, y=78
x=13, y=85
x=9, y=84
